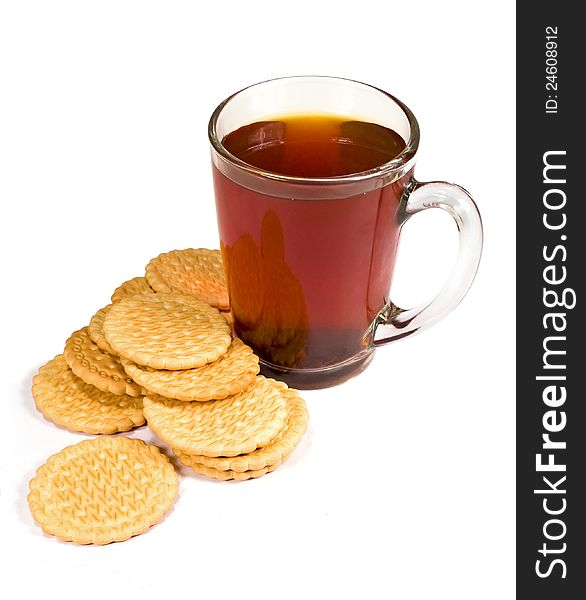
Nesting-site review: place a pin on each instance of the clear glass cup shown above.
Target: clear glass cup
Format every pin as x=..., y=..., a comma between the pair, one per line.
x=309, y=261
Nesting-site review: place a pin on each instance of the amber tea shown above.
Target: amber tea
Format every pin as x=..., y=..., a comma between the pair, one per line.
x=307, y=277
x=310, y=206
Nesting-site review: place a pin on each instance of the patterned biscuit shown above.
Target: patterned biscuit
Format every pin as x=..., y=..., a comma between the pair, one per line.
x=96, y=330
x=227, y=475
x=103, y=490
x=195, y=272
x=274, y=452
x=132, y=287
x=97, y=367
x=166, y=331
x=231, y=373
x=68, y=401
x=236, y=425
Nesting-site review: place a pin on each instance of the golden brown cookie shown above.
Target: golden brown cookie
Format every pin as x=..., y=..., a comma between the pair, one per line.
x=103, y=490
x=194, y=272
x=227, y=475
x=237, y=425
x=72, y=403
x=166, y=331
x=132, y=287
x=97, y=367
x=96, y=330
x=231, y=373
x=273, y=453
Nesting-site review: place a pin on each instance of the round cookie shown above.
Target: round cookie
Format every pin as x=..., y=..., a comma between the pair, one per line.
x=236, y=425
x=273, y=453
x=132, y=287
x=96, y=330
x=97, y=367
x=227, y=475
x=231, y=373
x=195, y=272
x=102, y=490
x=72, y=403
x=166, y=331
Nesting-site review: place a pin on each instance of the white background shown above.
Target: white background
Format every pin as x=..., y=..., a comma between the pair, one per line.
x=404, y=486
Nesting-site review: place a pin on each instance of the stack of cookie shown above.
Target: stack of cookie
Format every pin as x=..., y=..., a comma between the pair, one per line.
x=163, y=350
x=241, y=437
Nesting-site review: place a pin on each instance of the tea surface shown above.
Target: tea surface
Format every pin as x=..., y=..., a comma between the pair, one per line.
x=314, y=145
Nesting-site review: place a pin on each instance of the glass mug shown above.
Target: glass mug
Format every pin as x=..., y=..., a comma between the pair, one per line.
x=309, y=260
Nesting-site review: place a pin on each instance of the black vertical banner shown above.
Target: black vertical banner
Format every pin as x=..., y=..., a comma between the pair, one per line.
x=551, y=268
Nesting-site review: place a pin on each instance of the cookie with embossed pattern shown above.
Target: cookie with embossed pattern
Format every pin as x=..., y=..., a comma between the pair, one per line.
x=231, y=373
x=197, y=272
x=102, y=490
x=72, y=403
x=96, y=330
x=276, y=452
x=166, y=331
x=97, y=367
x=132, y=287
x=236, y=425
x=227, y=475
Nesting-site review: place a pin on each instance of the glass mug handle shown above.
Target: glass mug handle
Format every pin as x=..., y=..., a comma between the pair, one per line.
x=393, y=323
